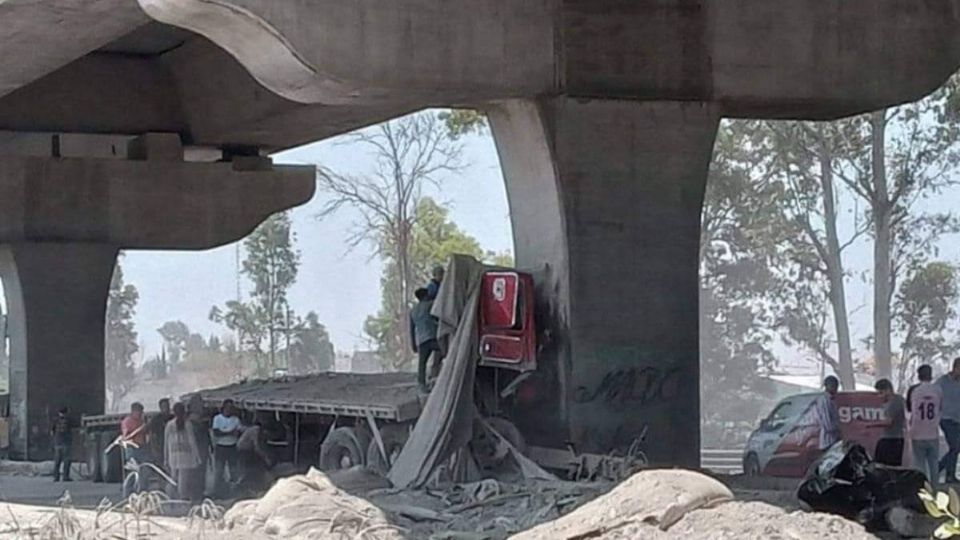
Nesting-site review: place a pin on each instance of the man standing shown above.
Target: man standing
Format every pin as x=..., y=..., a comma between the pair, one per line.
x=434, y=286
x=827, y=416
x=423, y=334
x=156, y=428
x=62, y=445
x=890, y=448
x=925, y=401
x=226, y=434
x=950, y=420
x=134, y=437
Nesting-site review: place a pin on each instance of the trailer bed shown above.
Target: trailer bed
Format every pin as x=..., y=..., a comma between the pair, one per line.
x=389, y=396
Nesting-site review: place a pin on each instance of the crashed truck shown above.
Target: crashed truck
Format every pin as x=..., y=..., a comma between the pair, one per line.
x=489, y=323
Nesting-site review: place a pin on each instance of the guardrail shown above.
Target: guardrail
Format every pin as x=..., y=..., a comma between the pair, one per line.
x=722, y=461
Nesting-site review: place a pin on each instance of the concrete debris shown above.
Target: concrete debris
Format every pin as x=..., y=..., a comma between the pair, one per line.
x=311, y=506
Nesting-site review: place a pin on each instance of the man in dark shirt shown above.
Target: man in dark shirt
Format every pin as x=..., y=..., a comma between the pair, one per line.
x=156, y=427
x=889, y=449
x=423, y=335
x=62, y=432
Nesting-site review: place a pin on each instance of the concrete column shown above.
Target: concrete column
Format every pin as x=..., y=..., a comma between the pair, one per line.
x=56, y=294
x=63, y=218
x=605, y=198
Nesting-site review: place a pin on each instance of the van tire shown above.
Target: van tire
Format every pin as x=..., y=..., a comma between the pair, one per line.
x=751, y=465
x=394, y=437
x=341, y=450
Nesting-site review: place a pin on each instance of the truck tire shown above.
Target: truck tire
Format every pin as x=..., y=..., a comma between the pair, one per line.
x=341, y=449
x=486, y=448
x=394, y=437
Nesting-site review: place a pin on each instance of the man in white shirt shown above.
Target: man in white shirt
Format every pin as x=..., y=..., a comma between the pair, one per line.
x=226, y=434
x=827, y=415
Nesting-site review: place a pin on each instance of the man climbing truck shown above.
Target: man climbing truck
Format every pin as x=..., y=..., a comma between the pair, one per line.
x=488, y=316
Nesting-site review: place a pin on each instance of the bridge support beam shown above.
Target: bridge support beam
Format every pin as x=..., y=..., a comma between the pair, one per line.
x=606, y=199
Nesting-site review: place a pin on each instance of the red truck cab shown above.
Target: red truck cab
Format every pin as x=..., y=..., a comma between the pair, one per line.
x=508, y=334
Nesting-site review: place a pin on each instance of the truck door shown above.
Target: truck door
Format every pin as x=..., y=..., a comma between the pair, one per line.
x=507, y=329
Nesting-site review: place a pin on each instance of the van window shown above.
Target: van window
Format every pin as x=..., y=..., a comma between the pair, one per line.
x=786, y=411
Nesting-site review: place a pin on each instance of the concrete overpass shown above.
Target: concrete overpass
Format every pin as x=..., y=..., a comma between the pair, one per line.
x=142, y=124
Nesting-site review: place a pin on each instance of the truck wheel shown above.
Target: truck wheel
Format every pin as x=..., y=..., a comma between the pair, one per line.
x=486, y=447
x=341, y=450
x=394, y=437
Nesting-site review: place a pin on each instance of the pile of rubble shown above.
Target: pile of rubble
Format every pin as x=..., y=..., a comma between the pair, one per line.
x=657, y=504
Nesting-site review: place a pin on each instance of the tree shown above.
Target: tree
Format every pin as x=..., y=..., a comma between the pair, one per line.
x=174, y=334
x=272, y=264
x=804, y=158
x=310, y=349
x=460, y=122
x=411, y=153
x=434, y=238
x=120, y=340
x=740, y=234
x=924, y=307
x=903, y=155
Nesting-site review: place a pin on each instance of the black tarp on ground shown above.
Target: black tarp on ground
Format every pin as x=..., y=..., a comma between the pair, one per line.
x=846, y=482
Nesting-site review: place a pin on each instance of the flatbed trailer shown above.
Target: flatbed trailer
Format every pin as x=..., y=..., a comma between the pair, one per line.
x=333, y=420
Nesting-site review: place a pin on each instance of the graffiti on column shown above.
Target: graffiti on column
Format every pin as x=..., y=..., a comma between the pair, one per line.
x=635, y=386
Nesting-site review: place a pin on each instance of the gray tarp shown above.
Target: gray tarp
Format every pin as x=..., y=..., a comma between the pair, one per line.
x=446, y=423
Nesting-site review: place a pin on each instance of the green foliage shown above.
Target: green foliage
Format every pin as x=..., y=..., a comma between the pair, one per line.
x=120, y=343
x=460, y=122
x=310, y=350
x=740, y=233
x=943, y=506
x=266, y=329
x=925, y=305
x=435, y=238
x=174, y=334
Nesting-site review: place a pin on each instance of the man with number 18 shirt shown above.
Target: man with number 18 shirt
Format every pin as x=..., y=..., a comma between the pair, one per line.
x=924, y=403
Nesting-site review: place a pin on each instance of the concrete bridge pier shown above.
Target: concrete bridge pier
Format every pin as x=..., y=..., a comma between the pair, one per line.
x=56, y=293
x=606, y=198
x=68, y=204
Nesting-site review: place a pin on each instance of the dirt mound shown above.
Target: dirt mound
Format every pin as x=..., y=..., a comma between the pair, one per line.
x=308, y=507
x=668, y=504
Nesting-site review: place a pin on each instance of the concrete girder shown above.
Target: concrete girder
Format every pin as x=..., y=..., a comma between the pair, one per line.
x=37, y=38
x=783, y=58
x=589, y=182
x=373, y=51
x=196, y=90
x=142, y=204
x=99, y=93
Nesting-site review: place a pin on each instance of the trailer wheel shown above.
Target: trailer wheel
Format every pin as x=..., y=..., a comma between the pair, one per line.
x=486, y=447
x=394, y=437
x=341, y=449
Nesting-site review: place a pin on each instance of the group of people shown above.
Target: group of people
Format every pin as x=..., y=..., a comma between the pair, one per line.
x=180, y=441
x=931, y=406
x=423, y=329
